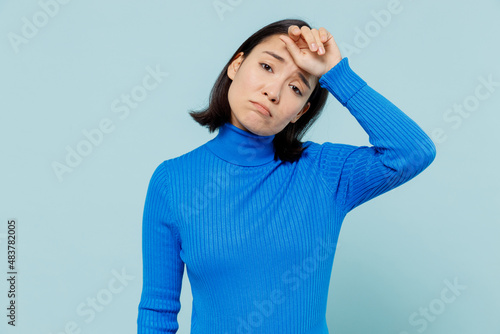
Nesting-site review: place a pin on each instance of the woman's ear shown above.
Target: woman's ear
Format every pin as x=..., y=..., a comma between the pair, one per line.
x=234, y=66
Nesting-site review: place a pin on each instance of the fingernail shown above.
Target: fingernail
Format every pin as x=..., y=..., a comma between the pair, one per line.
x=321, y=50
x=313, y=46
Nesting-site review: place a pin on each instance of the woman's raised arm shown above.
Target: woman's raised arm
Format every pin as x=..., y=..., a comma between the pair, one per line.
x=400, y=150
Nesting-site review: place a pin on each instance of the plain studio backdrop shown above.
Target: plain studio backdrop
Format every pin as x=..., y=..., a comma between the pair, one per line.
x=94, y=95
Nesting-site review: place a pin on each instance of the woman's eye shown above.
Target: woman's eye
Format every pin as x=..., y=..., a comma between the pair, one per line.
x=264, y=65
x=298, y=91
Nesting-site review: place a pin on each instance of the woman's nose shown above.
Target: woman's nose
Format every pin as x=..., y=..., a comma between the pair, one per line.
x=272, y=97
x=272, y=91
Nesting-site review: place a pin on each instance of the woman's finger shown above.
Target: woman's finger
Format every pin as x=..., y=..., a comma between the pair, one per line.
x=294, y=32
x=309, y=38
x=292, y=47
x=323, y=33
x=320, y=47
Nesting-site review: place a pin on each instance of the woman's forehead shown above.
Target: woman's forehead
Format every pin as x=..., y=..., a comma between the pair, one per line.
x=276, y=48
x=272, y=42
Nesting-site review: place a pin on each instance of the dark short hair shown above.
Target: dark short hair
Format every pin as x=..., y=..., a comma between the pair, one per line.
x=287, y=144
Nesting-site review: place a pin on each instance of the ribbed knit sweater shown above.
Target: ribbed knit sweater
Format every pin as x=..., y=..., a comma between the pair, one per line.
x=257, y=235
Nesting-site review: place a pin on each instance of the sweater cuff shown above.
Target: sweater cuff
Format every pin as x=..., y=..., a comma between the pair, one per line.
x=342, y=81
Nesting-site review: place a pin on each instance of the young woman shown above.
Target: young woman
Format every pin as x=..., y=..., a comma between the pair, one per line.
x=254, y=213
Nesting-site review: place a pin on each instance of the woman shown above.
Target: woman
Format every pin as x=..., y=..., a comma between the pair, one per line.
x=254, y=213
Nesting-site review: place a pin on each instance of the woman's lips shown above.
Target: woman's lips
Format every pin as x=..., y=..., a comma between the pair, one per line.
x=261, y=109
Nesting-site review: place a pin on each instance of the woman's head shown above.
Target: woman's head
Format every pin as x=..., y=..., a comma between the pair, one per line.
x=268, y=76
x=263, y=71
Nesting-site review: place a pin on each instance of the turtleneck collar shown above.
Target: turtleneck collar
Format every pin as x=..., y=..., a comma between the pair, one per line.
x=240, y=147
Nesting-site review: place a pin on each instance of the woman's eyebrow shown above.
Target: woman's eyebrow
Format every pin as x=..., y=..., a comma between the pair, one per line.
x=281, y=59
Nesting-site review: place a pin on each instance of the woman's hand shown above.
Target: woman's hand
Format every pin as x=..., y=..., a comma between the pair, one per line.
x=313, y=50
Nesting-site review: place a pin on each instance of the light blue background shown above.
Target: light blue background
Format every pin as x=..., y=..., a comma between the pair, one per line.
x=395, y=252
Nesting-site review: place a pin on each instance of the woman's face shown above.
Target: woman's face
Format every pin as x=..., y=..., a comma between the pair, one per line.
x=279, y=85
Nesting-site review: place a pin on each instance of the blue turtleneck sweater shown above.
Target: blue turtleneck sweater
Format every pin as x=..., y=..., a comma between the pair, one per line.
x=258, y=236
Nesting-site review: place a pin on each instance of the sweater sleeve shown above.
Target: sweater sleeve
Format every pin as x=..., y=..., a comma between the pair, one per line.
x=162, y=266
x=400, y=150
